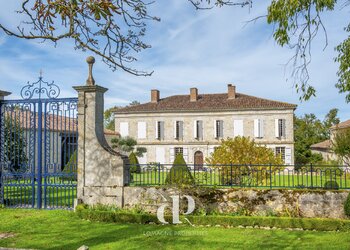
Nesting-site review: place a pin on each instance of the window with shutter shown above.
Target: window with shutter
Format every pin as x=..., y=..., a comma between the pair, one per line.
x=160, y=155
x=258, y=128
x=238, y=128
x=141, y=130
x=219, y=129
x=280, y=128
x=124, y=129
x=281, y=151
x=198, y=130
x=160, y=130
x=178, y=130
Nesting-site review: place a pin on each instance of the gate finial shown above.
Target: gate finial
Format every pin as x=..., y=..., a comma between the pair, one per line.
x=90, y=81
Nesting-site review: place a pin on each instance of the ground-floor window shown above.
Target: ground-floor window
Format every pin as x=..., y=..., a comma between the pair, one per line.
x=282, y=152
x=178, y=150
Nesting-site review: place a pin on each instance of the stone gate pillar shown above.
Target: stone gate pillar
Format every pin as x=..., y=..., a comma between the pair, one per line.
x=101, y=174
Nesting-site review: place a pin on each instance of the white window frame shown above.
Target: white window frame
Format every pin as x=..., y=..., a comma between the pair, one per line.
x=280, y=128
x=160, y=130
x=218, y=129
x=198, y=130
x=178, y=130
x=141, y=130
x=124, y=129
x=281, y=151
x=258, y=128
x=238, y=129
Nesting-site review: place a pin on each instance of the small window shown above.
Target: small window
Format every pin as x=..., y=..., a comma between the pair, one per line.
x=219, y=129
x=178, y=130
x=281, y=127
x=198, y=128
x=178, y=150
x=160, y=130
x=282, y=152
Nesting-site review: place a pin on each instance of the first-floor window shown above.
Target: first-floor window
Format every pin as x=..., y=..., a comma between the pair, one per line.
x=280, y=128
x=281, y=151
x=178, y=130
x=219, y=129
x=160, y=130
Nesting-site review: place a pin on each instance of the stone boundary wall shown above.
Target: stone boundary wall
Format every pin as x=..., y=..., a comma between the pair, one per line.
x=255, y=202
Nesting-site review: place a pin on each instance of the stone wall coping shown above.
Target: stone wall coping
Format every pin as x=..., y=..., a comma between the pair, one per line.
x=94, y=88
x=4, y=93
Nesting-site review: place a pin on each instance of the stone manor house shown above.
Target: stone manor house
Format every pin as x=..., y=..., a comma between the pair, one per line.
x=194, y=124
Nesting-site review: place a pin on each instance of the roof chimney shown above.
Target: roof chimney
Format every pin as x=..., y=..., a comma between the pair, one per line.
x=154, y=96
x=193, y=94
x=231, y=91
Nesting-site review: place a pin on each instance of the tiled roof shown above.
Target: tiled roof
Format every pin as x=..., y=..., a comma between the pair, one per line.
x=207, y=102
x=341, y=125
x=54, y=122
x=322, y=145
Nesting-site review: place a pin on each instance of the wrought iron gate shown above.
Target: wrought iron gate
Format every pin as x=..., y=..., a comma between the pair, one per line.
x=38, y=148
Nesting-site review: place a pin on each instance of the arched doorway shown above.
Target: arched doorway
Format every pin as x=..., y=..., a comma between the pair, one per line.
x=198, y=160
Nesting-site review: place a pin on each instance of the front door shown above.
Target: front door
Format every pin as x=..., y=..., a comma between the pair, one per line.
x=198, y=160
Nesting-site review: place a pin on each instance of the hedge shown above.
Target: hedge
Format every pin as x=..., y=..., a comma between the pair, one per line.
x=123, y=216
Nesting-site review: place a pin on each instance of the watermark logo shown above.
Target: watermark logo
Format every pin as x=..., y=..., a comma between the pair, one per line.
x=175, y=209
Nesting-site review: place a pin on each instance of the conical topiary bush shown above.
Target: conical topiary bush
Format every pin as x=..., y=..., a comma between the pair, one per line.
x=179, y=173
x=134, y=163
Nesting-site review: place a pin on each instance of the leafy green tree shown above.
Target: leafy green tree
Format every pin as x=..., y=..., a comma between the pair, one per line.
x=109, y=120
x=134, y=103
x=128, y=144
x=249, y=158
x=296, y=24
x=14, y=144
x=309, y=130
x=341, y=145
x=179, y=173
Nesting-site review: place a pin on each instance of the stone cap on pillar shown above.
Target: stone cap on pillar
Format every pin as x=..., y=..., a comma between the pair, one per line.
x=90, y=82
x=4, y=93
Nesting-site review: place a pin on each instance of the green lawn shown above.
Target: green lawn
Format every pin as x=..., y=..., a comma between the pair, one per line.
x=22, y=194
x=276, y=181
x=63, y=230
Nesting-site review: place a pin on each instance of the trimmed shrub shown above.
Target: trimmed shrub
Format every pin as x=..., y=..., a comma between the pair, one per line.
x=179, y=173
x=70, y=170
x=347, y=206
x=331, y=185
x=134, y=163
x=124, y=216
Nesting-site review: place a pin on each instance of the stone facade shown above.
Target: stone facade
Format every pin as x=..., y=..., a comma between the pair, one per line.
x=290, y=203
x=162, y=150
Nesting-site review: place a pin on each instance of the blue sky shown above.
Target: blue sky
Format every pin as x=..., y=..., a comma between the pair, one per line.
x=203, y=49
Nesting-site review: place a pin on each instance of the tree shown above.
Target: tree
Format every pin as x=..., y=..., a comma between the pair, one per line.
x=309, y=130
x=179, y=173
x=134, y=163
x=297, y=24
x=249, y=158
x=341, y=145
x=134, y=103
x=14, y=145
x=109, y=120
x=127, y=144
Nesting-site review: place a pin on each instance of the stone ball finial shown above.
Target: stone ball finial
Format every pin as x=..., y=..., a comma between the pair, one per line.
x=90, y=81
x=90, y=60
